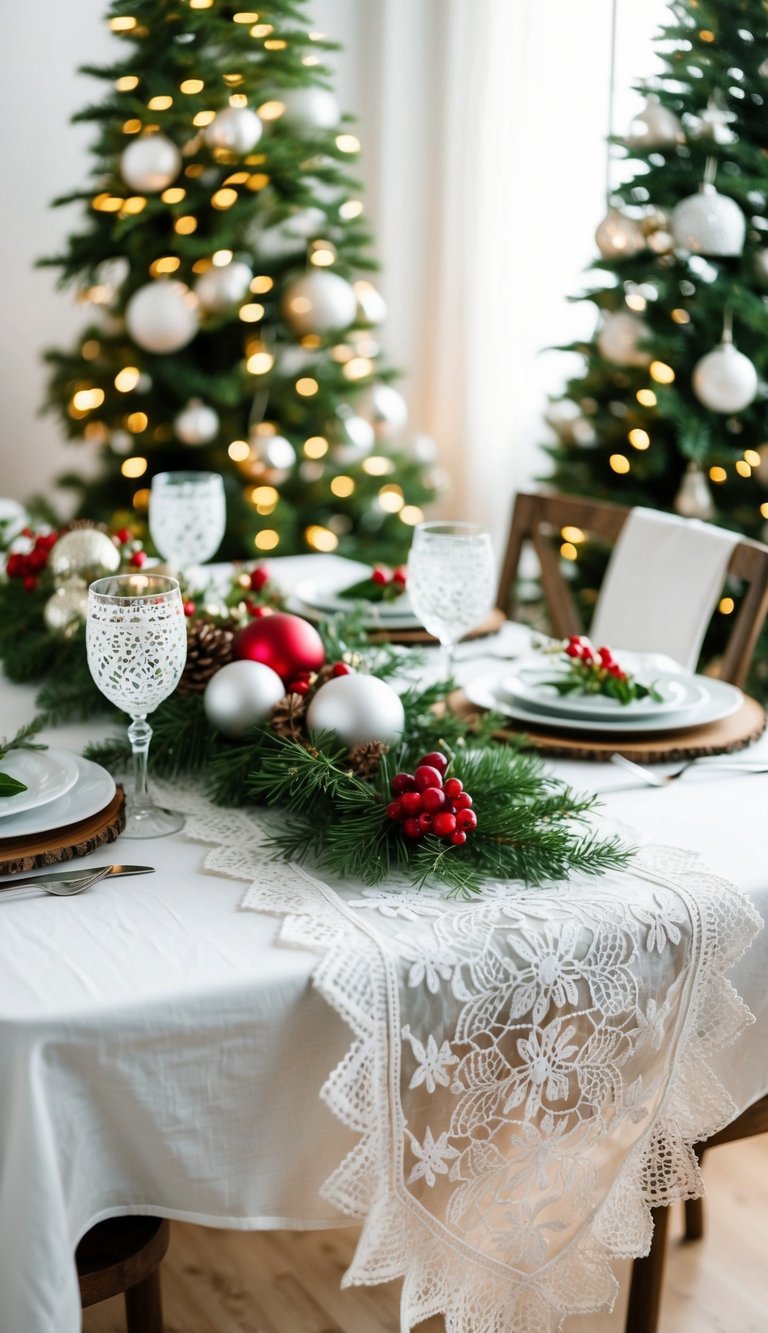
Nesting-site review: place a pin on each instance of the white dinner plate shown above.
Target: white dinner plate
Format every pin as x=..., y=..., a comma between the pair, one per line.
x=91, y=791
x=47, y=774
x=528, y=683
x=723, y=699
x=323, y=597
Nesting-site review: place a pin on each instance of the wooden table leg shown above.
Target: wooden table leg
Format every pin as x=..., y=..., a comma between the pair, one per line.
x=143, y=1306
x=647, y=1280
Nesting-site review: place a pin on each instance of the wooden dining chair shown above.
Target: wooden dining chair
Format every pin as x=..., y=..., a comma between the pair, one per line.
x=539, y=519
x=122, y=1257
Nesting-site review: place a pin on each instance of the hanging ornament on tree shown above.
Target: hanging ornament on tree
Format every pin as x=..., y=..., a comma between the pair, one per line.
x=358, y=709
x=565, y=418
x=619, y=339
x=162, y=316
x=715, y=122
x=619, y=237
x=386, y=409
x=694, y=498
x=236, y=128
x=287, y=237
x=309, y=109
x=351, y=436
x=197, y=423
x=709, y=223
x=218, y=289
x=240, y=695
x=66, y=610
x=655, y=127
x=318, y=302
x=272, y=458
x=150, y=164
x=83, y=555
x=371, y=306
x=288, y=644
x=725, y=380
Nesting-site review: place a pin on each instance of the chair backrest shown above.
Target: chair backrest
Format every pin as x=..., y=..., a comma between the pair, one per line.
x=540, y=518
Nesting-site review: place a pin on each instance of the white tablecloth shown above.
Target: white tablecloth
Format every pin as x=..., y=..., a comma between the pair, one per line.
x=159, y=1054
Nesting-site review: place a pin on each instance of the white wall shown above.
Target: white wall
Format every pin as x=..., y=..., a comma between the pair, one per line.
x=390, y=75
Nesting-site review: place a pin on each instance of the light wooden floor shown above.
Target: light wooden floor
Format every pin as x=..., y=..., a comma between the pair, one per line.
x=288, y=1282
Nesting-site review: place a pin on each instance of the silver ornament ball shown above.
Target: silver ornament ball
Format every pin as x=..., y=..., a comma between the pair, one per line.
x=694, y=498
x=309, y=109
x=236, y=128
x=218, y=289
x=162, y=316
x=709, y=223
x=150, y=164
x=319, y=302
x=66, y=610
x=240, y=695
x=386, y=409
x=371, y=306
x=725, y=380
x=358, y=709
x=352, y=435
x=84, y=554
x=197, y=423
x=619, y=340
x=655, y=127
x=619, y=237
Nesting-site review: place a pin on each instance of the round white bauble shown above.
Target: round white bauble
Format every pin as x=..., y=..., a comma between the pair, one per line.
x=619, y=237
x=371, y=306
x=318, y=302
x=150, y=164
x=709, y=223
x=274, y=452
x=352, y=435
x=237, y=128
x=386, y=408
x=240, y=695
x=619, y=337
x=288, y=237
x=162, y=316
x=725, y=380
x=66, y=610
x=218, y=289
x=309, y=109
x=197, y=423
x=358, y=709
x=655, y=127
x=694, y=498
x=82, y=555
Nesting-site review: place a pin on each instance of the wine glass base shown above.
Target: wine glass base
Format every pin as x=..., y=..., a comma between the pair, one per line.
x=152, y=822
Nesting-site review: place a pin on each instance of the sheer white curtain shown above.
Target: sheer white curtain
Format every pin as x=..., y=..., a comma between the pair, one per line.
x=483, y=130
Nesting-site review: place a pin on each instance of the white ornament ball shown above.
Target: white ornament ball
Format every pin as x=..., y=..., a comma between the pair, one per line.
x=66, y=610
x=218, y=289
x=694, y=498
x=619, y=237
x=309, y=109
x=619, y=338
x=240, y=695
x=318, y=302
x=353, y=436
x=274, y=452
x=84, y=554
x=725, y=380
x=655, y=127
x=709, y=223
x=150, y=164
x=371, y=306
x=358, y=709
x=197, y=423
x=288, y=237
x=386, y=408
x=236, y=128
x=162, y=316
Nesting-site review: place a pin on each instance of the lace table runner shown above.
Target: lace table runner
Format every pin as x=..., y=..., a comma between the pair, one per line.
x=527, y=1073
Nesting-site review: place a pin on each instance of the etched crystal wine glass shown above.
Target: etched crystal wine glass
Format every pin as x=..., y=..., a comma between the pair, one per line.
x=187, y=516
x=451, y=580
x=136, y=639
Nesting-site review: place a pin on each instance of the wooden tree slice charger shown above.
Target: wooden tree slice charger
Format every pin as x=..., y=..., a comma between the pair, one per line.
x=38, y=850
x=724, y=737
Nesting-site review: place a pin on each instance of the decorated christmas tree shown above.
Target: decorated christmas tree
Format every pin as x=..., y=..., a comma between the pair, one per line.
x=669, y=408
x=221, y=254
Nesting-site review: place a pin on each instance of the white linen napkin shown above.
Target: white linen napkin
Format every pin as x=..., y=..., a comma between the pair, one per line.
x=663, y=580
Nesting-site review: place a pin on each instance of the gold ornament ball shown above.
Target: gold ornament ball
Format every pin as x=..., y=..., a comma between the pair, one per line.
x=66, y=610
x=85, y=554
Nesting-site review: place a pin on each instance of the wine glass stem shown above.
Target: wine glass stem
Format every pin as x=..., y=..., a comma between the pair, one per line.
x=449, y=649
x=140, y=734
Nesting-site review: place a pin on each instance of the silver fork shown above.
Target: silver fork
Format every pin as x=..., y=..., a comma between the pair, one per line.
x=662, y=779
x=64, y=888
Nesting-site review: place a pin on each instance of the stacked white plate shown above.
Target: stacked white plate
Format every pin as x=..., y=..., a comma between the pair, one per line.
x=526, y=692
x=61, y=789
x=316, y=598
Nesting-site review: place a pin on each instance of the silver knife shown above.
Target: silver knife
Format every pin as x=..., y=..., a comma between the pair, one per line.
x=111, y=872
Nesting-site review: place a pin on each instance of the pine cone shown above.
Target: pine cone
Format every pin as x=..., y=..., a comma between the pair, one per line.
x=365, y=760
x=287, y=717
x=209, y=648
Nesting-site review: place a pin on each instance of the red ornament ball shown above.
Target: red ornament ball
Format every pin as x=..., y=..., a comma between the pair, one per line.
x=288, y=644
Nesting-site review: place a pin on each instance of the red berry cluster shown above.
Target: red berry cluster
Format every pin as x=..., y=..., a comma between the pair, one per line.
x=600, y=659
x=428, y=802
x=386, y=577
x=27, y=567
x=130, y=548
x=304, y=681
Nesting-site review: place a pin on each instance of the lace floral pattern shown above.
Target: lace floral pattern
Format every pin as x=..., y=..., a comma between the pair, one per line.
x=526, y=1073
